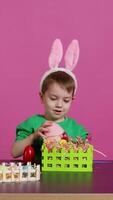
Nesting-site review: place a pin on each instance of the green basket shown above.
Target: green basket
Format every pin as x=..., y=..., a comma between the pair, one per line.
x=67, y=161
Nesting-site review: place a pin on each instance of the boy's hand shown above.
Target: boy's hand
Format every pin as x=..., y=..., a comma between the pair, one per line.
x=42, y=130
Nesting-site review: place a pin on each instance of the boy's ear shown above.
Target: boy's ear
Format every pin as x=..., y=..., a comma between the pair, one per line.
x=40, y=94
x=73, y=97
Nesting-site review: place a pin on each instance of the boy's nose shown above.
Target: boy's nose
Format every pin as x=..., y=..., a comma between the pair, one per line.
x=59, y=104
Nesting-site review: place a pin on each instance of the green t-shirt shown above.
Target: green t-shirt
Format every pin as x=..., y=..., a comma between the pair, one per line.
x=29, y=126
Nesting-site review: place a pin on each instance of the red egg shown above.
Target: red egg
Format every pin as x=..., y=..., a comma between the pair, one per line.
x=29, y=154
x=65, y=137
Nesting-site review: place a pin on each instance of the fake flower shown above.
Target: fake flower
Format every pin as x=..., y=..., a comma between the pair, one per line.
x=51, y=143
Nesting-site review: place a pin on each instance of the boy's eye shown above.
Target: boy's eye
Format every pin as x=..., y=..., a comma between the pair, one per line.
x=66, y=100
x=55, y=98
x=52, y=98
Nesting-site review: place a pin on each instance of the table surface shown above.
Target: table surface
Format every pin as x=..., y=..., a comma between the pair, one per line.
x=98, y=181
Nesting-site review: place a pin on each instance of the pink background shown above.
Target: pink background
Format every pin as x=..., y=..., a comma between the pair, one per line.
x=27, y=30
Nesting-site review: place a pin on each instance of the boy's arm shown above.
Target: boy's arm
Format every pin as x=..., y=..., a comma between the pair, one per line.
x=19, y=146
x=26, y=137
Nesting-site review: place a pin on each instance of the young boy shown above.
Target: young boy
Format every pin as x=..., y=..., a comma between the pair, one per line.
x=57, y=90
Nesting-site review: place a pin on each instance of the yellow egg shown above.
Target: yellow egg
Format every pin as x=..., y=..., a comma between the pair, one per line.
x=62, y=141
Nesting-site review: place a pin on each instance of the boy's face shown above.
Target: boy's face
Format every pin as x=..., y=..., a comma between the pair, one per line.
x=57, y=101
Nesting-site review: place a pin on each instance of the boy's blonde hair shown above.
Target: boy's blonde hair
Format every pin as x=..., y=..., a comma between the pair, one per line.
x=61, y=78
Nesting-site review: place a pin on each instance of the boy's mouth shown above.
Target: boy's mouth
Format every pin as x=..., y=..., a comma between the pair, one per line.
x=58, y=112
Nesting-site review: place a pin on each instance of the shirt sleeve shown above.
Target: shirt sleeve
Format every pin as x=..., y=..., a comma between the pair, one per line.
x=24, y=129
x=82, y=132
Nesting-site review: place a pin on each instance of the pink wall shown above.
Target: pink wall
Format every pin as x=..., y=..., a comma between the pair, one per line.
x=27, y=29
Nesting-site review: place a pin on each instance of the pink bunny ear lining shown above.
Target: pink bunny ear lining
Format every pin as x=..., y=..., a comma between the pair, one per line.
x=55, y=54
x=72, y=55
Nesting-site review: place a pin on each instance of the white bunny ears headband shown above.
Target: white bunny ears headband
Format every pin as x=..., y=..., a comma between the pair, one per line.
x=71, y=59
